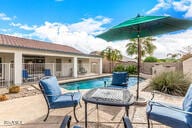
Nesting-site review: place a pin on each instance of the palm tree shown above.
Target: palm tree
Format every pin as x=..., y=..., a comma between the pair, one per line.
x=111, y=55
x=146, y=46
x=173, y=55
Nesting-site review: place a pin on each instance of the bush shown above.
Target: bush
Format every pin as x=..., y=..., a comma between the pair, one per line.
x=150, y=59
x=119, y=68
x=131, y=69
x=174, y=83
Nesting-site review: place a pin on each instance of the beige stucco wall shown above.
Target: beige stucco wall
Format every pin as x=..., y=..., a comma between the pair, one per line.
x=41, y=52
x=7, y=57
x=94, y=65
x=187, y=66
x=146, y=67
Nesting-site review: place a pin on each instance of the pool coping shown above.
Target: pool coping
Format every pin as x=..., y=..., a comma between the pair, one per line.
x=83, y=78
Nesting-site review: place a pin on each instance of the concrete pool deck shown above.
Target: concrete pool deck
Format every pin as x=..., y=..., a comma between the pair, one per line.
x=30, y=111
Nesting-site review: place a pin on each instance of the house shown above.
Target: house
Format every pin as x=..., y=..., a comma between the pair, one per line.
x=35, y=57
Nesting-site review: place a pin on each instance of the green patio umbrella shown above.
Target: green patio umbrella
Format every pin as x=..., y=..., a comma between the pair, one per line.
x=143, y=26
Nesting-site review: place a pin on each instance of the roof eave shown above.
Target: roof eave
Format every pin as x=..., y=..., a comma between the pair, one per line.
x=70, y=53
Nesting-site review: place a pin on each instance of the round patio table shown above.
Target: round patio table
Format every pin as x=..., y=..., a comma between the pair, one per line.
x=109, y=97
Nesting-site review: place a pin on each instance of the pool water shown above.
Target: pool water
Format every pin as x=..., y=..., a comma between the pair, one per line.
x=95, y=83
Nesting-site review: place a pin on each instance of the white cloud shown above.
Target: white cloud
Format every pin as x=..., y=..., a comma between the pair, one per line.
x=3, y=16
x=24, y=27
x=5, y=30
x=90, y=25
x=188, y=14
x=162, y=4
x=172, y=43
x=184, y=6
x=81, y=36
x=78, y=35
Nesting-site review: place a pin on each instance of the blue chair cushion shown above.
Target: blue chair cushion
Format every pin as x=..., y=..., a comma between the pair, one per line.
x=167, y=116
x=76, y=126
x=25, y=74
x=187, y=104
x=51, y=88
x=65, y=100
x=47, y=72
x=119, y=78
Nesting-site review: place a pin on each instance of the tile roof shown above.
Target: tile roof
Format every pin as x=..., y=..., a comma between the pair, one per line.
x=6, y=40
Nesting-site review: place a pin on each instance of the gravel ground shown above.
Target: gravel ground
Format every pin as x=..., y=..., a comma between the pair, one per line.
x=25, y=91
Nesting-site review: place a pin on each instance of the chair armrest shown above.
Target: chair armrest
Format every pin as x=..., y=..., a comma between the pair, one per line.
x=52, y=95
x=70, y=94
x=66, y=122
x=161, y=93
x=170, y=107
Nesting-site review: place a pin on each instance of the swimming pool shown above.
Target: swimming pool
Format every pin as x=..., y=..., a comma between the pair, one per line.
x=95, y=83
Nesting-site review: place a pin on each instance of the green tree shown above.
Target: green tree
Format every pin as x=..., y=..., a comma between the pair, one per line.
x=173, y=55
x=111, y=55
x=186, y=52
x=150, y=59
x=147, y=47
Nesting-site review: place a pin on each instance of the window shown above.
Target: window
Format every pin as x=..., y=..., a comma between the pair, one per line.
x=58, y=64
x=34, y=64
x=33, y=59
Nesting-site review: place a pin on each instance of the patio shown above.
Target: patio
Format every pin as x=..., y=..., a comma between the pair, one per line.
x=29, y=112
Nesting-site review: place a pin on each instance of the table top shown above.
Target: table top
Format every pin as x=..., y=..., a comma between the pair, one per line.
x=109, y=96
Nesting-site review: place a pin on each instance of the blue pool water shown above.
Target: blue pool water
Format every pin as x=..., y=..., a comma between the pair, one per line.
x=95, y=83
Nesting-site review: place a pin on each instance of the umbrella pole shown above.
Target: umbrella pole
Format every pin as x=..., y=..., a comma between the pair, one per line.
x=138, y=66
x=138, y=58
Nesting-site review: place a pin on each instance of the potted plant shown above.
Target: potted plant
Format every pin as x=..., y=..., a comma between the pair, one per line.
x=3, y=97
x=14, y=89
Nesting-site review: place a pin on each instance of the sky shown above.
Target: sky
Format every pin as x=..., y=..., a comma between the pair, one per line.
x=76, y=22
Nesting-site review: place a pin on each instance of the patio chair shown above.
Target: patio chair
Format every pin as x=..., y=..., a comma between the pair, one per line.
x=82, y=70
x=66, y=122
x=127, y=122
x=47, y=72
x=119, y=78
x=54, y=98
x=27, y=77
x=173, y=116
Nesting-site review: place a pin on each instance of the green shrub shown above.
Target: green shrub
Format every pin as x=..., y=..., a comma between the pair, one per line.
x=171, y=60
x=119, y=68
x=174, y=83
x=131, y=69
x=161, y=60
x=168, y=60
x=150, y=59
